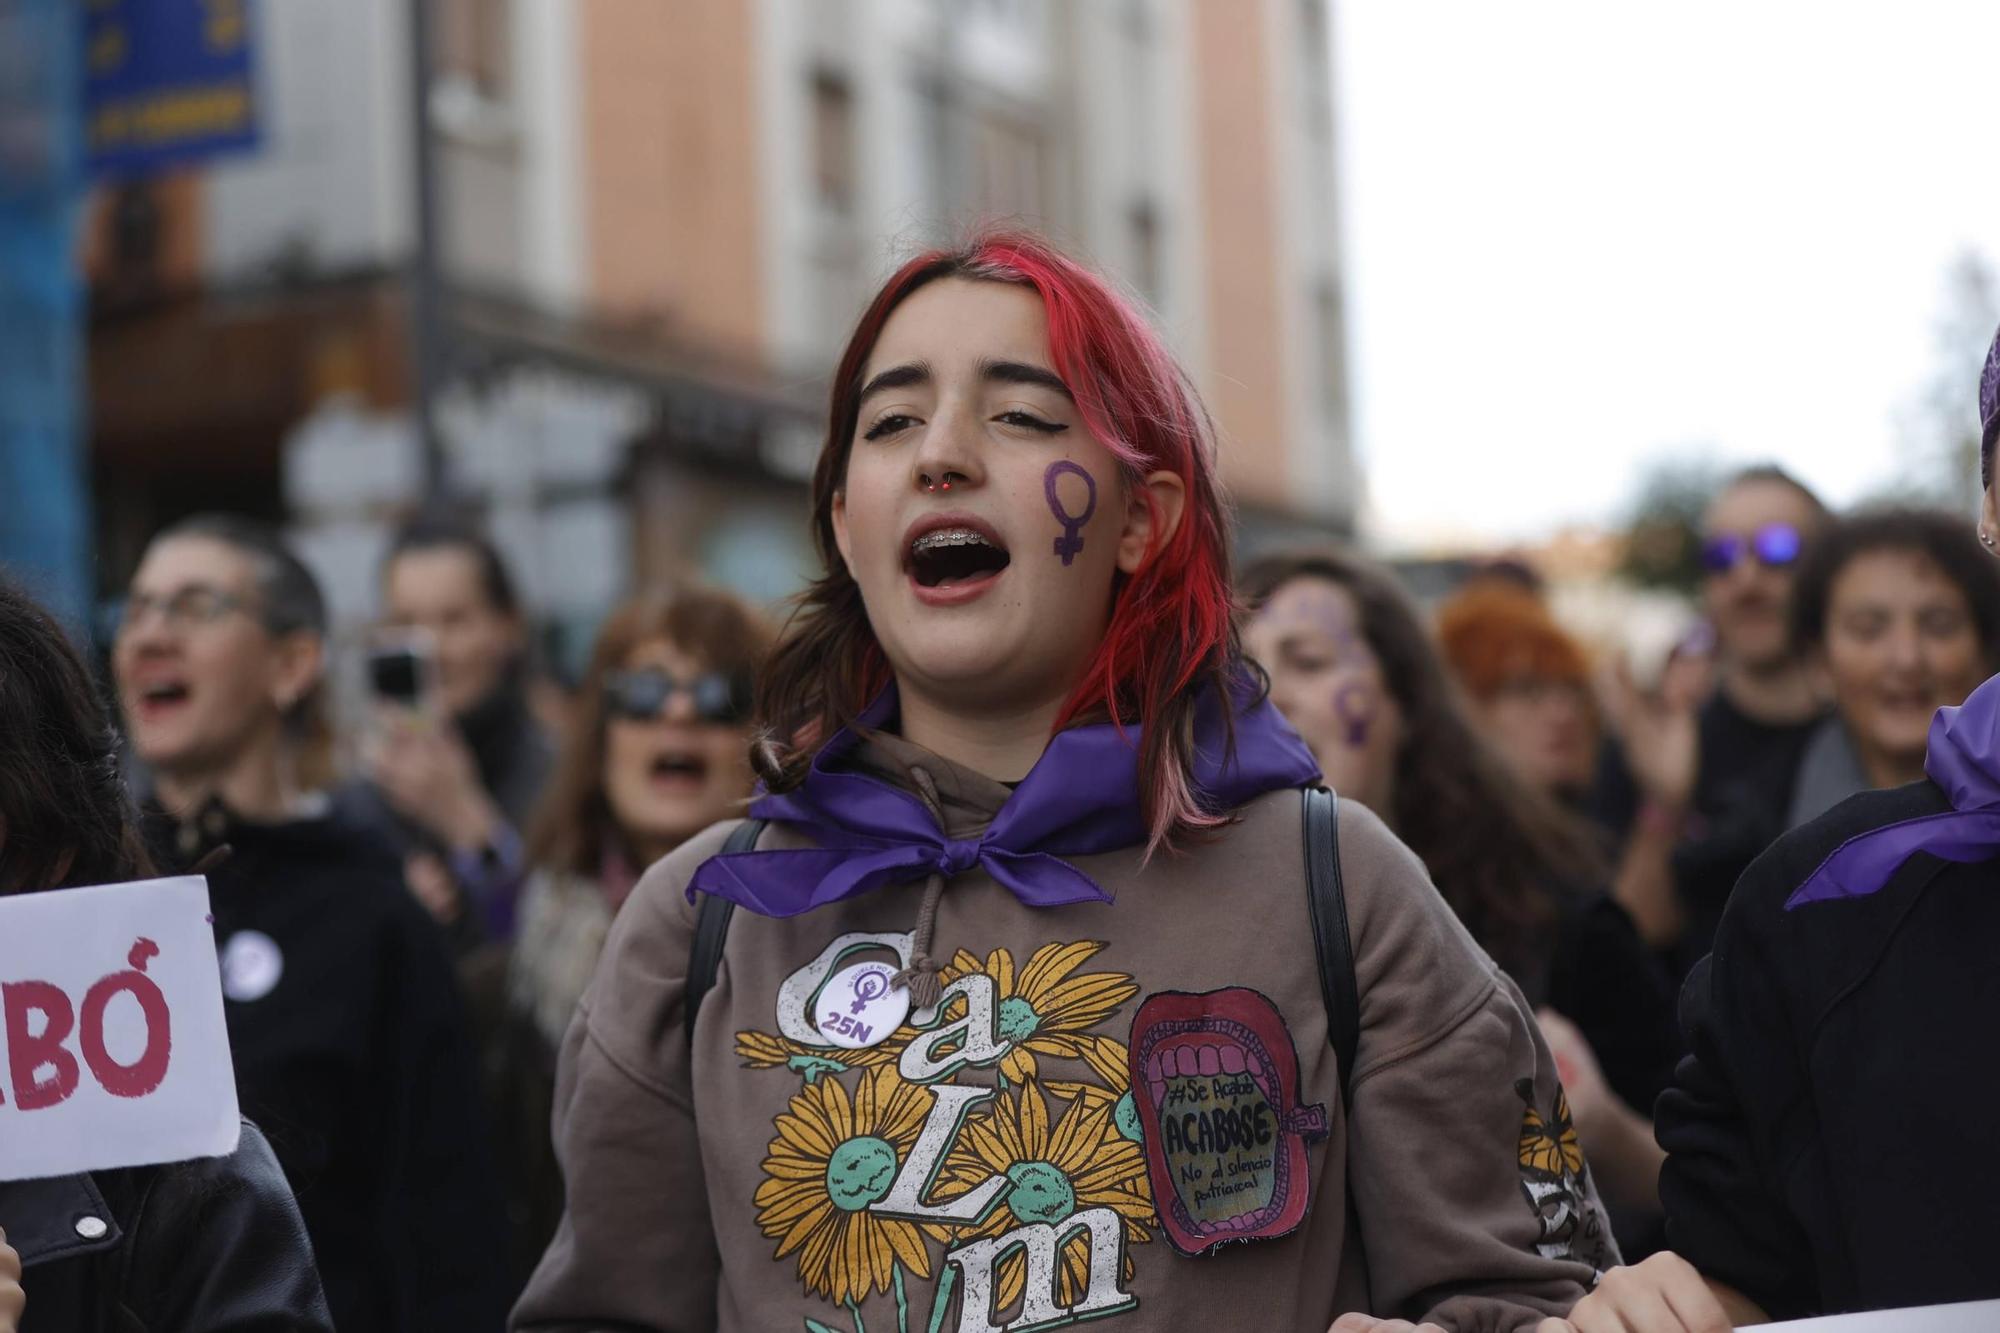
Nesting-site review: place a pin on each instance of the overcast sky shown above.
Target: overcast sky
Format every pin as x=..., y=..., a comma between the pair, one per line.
x=1581, y=235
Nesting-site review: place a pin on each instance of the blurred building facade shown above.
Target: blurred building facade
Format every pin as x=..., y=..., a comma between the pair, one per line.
x=43, y=509
x=658, y=219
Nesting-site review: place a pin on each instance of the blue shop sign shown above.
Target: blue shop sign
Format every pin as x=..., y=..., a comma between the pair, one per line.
x=166, y=82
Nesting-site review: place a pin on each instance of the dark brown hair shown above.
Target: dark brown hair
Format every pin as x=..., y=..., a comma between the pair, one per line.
x=572, y=827
x=437, y=531
x=1762, y=474
x=1943, y=539
x=1171, y=626
x=289, y=602
x=1498, y=850
x=65, y=815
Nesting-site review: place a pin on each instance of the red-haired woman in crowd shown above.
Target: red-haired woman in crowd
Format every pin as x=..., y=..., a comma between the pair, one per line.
x=1019, y=1004
x=1528, y=683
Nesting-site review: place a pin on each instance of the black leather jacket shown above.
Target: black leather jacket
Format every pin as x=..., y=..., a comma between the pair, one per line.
x=212, y=1246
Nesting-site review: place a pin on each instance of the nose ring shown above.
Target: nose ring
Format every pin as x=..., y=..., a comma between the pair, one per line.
x=943, y=484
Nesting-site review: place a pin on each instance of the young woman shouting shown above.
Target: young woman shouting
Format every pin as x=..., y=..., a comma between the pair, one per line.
x=1018, y=1021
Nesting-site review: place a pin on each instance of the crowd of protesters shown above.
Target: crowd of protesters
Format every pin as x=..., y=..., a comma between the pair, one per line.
x=1690, y=963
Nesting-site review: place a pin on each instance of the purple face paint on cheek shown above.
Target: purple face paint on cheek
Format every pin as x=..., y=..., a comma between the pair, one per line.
x=1071, y=541
x=1354, y=705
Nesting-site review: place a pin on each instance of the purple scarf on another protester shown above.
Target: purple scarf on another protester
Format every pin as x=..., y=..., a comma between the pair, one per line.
x=1964, y=760
x=1964, y=757
x=1081, y=797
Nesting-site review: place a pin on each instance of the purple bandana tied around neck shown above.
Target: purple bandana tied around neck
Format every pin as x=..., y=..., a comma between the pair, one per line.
x=1963, y=760
x=1081, y=797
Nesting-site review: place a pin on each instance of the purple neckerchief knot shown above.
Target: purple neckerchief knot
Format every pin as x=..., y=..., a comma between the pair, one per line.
x=1081, y=797
x=960, y=855
x=1964, y=761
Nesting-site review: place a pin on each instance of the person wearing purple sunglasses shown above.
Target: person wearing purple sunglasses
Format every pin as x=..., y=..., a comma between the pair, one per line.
x=1753, y=535
x=1700, y=785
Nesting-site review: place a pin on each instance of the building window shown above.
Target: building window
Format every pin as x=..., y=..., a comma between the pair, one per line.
x=475, y=38
x=1312, y=21
x=1316, y=68
x=934, y=155
x=1007, y=166
x=833, y=140
x=1144, y=222
x=1331, y=336
x=1005, y=13
x=1136, y=18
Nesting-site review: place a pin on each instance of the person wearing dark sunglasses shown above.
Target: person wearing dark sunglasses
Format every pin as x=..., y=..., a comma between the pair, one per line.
x=647, y=693
x=1700, y=785
x=1755, y=533
x=660, y=751
x=1775, y=546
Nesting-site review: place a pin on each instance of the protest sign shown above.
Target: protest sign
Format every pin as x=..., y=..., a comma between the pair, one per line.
x=1970, y=1317
x=113, y=1050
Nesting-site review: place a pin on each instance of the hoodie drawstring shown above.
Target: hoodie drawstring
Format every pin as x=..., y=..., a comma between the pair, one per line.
x=921, y=976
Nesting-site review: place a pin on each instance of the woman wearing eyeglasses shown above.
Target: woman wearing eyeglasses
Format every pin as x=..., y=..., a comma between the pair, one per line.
x=345, y=1028
x=660, y=753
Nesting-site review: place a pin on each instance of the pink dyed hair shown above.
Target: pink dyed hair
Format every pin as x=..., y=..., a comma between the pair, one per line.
x=1172, y=623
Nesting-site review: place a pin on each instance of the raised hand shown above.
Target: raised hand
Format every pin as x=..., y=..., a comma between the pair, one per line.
x=1660, y=728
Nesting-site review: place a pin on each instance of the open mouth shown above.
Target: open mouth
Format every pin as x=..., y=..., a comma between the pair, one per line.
x=949, y=557
x=676, y=767
x=159, y=697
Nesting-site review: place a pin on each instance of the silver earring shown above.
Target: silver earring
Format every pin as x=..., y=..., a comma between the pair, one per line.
x=1987, y=538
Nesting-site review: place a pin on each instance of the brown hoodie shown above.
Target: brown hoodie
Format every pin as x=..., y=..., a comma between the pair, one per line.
x=986, y=1166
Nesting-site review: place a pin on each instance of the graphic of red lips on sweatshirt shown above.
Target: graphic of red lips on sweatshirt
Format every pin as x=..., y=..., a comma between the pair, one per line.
x=1216, y=1080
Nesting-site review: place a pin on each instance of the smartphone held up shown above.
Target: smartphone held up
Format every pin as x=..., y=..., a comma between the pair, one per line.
x=402, y=669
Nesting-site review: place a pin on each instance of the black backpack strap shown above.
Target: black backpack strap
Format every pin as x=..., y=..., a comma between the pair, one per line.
x=1326, y=900
x=711, y=929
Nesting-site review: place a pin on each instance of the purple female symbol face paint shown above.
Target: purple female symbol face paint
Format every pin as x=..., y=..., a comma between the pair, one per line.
x=1071, y=541
x=1354, y=705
